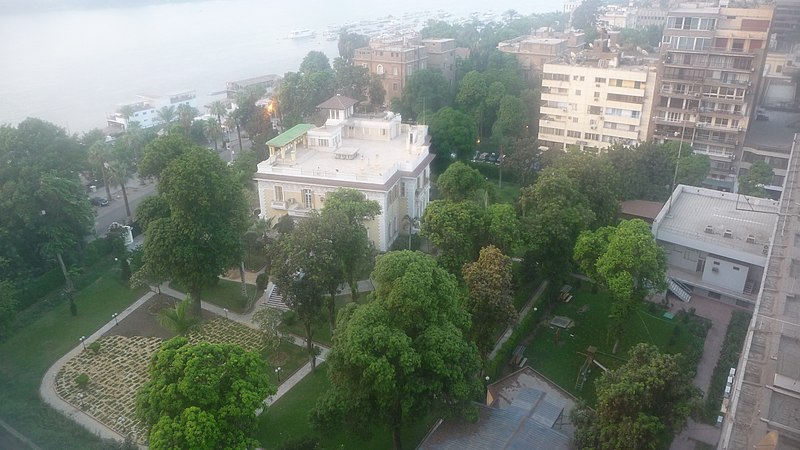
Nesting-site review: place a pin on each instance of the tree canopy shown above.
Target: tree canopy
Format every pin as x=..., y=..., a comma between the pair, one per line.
x=426, y=91
x=402, y=354
x=456, y=229
x=638, y=404
x=453, y=134
x=753, y=182
x=200, y=235
x=203, y=396
x=460, y=182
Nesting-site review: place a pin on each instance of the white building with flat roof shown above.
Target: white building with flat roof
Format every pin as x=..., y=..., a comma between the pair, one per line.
x=376, y=154
x=144, y=110
x=716, y=243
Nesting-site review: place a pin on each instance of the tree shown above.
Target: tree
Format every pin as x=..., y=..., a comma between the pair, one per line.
x=218, y=109
x=201, y=236
x=8, y=305
x=554, y=212
x=186, y=114
x=510, y=118
x=639, y=403
x=453, y=134
x=351, y=81
x=504, y=229
x=160, y=152
x=456, y=229
x=631, y=265
x=425, y=92
x=376, y=92
x=212, y=131
x=351, y=244
x=179, y=319
x=203, y=396
x=596, y=179
x=521, y=160
x=166, y=115
x=402, y=354
x=693, y=169
x=269, y=321
x=752, y=183
x=489, y=296
x=349, y=42
x=300, y=278
x=314, y=61
x=460, y=182
x=119, y=173
x=472, y=94
x=585, y=15
x=99, y=156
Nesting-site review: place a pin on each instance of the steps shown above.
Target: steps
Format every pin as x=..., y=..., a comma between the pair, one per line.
x=274, y=298
x=678, y=290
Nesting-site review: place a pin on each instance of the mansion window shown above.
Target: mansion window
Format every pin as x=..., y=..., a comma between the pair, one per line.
x=278, y=193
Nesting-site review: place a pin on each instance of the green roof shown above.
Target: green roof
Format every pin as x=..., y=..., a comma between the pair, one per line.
x=290, y=135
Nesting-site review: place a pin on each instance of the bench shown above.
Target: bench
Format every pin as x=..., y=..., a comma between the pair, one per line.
x=517, y=355
x=523, y=362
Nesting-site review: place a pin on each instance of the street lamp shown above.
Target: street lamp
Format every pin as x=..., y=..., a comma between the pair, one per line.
x=82, y=339
x=278, y=373
x=226, y=312
x=114, y=316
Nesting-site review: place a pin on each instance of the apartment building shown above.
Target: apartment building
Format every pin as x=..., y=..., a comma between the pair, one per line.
x=393, y=63
x=144, y=111
x=442, y=56
x=594, y=101
x=533, y=51
x=376, y=154
x=761, y=409
x=716, y=243
x=710, y=67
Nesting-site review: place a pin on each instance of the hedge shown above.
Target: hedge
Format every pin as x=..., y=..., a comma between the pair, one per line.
x=728, y=357
x=522, y=329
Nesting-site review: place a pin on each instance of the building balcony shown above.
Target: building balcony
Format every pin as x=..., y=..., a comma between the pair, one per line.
x=733, y=51
x=552, y=110
x=553, y=96
x=665, y=90
x=695, y=279
x=281, y=205
x=719, y=82
x=555, y=83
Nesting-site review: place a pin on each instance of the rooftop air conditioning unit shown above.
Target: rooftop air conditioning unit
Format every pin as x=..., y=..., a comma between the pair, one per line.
x=728, y=234
x=709, y=229
x=751, y=239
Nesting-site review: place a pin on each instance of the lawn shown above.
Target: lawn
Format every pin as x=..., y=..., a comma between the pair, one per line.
x=287, y=419
x=226, y=294
x=25, y=357
x=560, y=357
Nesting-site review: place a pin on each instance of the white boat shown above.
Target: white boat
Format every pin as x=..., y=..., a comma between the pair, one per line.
x=301, y=34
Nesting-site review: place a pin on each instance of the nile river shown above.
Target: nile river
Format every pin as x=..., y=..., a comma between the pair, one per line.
x=73, y=67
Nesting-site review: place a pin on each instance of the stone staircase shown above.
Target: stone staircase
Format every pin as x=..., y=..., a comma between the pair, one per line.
x=274, y=298
x=677, y=289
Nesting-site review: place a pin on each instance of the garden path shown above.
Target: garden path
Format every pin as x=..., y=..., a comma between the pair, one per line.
x=520, y=316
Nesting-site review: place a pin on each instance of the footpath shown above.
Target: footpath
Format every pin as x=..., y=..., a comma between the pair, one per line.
x=522, y=314
x=47, y=389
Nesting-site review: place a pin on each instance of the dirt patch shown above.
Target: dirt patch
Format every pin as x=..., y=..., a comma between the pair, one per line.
x=143, y=322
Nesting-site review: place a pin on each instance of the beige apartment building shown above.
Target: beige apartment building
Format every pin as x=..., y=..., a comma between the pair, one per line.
x=376, y=154
x=711, y=62
x=594, y=102
x=533, y=51
x=442, y=56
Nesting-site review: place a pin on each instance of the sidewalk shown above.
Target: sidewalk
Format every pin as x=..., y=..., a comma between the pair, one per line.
x=47, y=388
x=520, y=316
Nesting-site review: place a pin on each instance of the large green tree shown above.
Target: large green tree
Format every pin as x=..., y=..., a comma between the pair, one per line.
x=203, y=396
x=426, y=91
x=639, y=404
x=489, y=296
x=461, y=182
x=401, y=355
x=160, y=152
x=453, y=134
x=596, y=179
x=456, y=229
x=349, y=43
x=199, y=237
x=554, y=212
x=631, y=266
x=753, y=182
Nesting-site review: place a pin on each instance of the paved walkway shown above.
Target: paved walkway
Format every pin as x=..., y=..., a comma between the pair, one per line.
x=720, y=315
x=520, y=316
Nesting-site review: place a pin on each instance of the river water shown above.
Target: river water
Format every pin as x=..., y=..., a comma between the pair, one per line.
x=73, y=67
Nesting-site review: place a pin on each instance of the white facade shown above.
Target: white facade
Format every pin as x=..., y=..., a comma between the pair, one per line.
x=716, y=243
x=377, y=154
x=144, y=111
x=595, y=105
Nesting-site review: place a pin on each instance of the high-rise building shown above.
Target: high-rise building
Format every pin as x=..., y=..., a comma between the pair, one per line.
x=393, y=63
x=711, y=60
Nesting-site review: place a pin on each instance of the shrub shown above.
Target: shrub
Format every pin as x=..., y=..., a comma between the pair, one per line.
x=289, y=318
x=261, y=281
x=36, y=288
x=94, y=347
x=728, y=357
x=82, y=380
x=302, y=443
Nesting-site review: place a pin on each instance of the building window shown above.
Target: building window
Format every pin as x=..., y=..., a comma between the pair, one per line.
x=577, y=92
x=402, y=189
x=394, y=86
x=278, y=193
x=573, y=134
x=379, y=69
x=396, y=71
x=308, y=198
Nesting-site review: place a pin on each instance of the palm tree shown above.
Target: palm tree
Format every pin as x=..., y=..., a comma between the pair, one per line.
x=166, y=115
x=234, y=120
x=178, y=319
x=98, y=157
x=186, y=114
x=119, y=173
x=217, y=108
x=213, y=131
x=133, y=141
x=126, y=111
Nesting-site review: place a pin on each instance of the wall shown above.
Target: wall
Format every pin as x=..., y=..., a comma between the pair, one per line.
x=728, y=275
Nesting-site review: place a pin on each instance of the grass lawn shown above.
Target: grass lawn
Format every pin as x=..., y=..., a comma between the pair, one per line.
x=226, y=294
x=26, y=355
x=562, y=361
x=287, y=419
x=321, y=327
x=288, y=357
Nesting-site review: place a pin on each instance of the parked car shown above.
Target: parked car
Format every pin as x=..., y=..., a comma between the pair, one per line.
x=99, y=201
